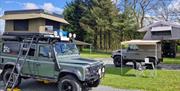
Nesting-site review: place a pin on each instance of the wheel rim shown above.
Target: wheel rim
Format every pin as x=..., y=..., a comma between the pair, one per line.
x=118, y=61
x=67, y=86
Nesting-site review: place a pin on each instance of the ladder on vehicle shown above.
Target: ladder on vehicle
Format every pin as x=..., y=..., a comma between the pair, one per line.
x=20, y=61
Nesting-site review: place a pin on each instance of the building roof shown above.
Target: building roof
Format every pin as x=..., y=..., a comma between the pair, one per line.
x=158, y=24
x=141, y=42
x=81, y=43
x=31, y=14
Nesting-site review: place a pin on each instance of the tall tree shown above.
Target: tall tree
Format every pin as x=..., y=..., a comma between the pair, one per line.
x=73, y=12
x=102, y=18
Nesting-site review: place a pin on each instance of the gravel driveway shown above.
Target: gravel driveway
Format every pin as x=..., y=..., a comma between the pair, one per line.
x=32, y=85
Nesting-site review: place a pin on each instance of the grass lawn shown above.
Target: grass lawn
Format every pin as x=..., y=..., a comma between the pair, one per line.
x=164, y=81
x=171, y=60
x=86, y=54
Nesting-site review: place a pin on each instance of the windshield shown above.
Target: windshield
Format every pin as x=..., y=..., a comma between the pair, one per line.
x=66, y=48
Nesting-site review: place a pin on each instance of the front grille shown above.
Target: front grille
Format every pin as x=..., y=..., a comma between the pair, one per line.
x=94, y=69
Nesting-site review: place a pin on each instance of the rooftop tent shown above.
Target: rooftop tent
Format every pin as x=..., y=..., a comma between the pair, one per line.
x=35, y=20
x=162, y=30
x=159, y=24
x=31, y=14
x=141, y=42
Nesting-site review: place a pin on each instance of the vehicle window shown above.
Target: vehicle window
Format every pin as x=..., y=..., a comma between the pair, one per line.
x=133, y=47
x=44, y=51
x=66, y=48
x=11, y=48
x=31, y=50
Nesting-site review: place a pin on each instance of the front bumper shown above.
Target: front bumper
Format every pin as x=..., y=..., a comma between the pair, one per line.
x=96, y=73
x=94, y=79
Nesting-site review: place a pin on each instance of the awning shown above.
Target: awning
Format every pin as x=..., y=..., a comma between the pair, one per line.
x=33, y=16
x=159, y=24
x=81, y=43
x=141, y=42
x=162, y=28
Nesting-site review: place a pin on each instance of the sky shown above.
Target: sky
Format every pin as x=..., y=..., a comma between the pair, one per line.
x=50, y=5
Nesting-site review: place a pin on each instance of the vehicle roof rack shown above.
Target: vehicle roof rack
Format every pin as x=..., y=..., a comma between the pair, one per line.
x=26, y=33
x=20, y=36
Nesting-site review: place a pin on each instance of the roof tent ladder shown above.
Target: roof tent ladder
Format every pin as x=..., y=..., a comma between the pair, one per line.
x=15, y=75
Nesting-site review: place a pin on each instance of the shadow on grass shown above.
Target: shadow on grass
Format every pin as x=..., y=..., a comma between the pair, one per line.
x=124, y=71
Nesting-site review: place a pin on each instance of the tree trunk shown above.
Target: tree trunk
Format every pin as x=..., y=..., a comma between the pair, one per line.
x=100, y=40
x=95, y=40
x=105, y=40
x=109, y=39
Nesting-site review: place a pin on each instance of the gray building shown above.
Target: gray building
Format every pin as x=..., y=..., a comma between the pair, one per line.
x=162, y=30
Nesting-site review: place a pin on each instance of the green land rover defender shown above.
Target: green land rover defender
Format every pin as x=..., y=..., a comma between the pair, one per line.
x=49, y=58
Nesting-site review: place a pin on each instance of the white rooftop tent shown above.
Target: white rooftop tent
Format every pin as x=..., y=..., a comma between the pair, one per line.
x=141, y=42
x=162, y=30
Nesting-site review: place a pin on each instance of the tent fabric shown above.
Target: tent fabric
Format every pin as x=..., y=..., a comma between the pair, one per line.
x=160, y=23
x=163, y=28
x=141, y=42
x=81, y=43
x=33, y=16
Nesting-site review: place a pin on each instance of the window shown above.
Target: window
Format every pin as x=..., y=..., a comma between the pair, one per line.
x=21, y=25
x=11, y=48
x=161, y=33
x=31, y=50
x=44, y=51
x=133, y=47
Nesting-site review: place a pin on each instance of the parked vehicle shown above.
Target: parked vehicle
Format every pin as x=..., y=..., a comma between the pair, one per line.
x=51, y=59
x=169, y=48
x=136, y=51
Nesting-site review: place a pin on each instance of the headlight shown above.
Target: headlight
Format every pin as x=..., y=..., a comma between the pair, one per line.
x=99, y=71
x=103, y=70
x=87, y=72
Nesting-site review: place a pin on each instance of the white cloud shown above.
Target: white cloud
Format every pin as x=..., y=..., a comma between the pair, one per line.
x=30, y=6
x=50, y=7
x=46, y=6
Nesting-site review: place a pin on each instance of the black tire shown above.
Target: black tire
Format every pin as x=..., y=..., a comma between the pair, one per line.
x=153, y=60
x=135, y=64
x=118, y=62
x=95, y=83
x=69, y=83
x=6, y=75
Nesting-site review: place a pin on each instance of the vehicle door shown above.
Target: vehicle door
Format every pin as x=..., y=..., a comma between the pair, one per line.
x=132, y=52
x=30, y=66
x=46, y=64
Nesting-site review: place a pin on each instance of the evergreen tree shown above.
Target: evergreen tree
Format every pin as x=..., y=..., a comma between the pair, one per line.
x=73, y=12
x=102, y=20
